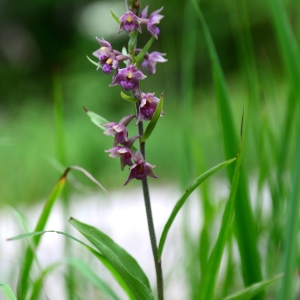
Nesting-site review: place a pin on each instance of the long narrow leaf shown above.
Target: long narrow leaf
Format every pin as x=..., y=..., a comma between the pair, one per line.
x=97, y=254
x=184, y=197
x=29, y=252
x=291, y=249
x=212, y=270
x=124, y=263
x=245, y=228
x=85, y=270
x=7, y=291
x=253, y=290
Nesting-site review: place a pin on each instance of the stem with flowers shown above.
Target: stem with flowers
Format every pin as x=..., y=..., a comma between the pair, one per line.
x=148, y=107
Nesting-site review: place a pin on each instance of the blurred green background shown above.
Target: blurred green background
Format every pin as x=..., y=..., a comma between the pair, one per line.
x=43, y=48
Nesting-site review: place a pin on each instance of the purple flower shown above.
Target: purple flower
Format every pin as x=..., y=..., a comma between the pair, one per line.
x=108, y=57
x=124, y=153
x=118, y=129
x=150, y=61
x=147, y=107
x=129, y=78
x=140, y=169
x=130, y=22
x=154, y=19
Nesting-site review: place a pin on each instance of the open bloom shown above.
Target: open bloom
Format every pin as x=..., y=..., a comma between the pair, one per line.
x=130, y=22
x=147, y=107
x=118, y=129
x=124, y=153
x=140, y=169
x=150, y=61
x=129, y=78
x=108, y=57
x=154, y=19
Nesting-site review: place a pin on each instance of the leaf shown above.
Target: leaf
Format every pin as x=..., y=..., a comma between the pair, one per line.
x=85, y=270
x=253, y=290
x=96, y=119
x=246, y=229
x=145, y=49
x=7, y=291
x=94, y=63
x=115, y=17
x=211, y=273
x=184, y=197
x=29, y=252
x=124, y=264
x=154, y=119
x=128, y=98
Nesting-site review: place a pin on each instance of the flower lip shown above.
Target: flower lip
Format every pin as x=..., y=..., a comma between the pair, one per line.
x=129, y=22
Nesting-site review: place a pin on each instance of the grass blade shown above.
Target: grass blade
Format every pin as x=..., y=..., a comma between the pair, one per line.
x=182, y=200
x=85, y=270
x=212, y=270
x=124, y=264
x=290, y=255
x=23, y=283
x=252, y=290
x=245, y=228
x=7, y=291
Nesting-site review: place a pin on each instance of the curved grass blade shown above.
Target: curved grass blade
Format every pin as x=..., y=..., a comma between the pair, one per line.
x=154, y=119
x=23, y=283
x=253, y=290
x=214, y=261
x=7, y=291
x=291, y=249
x=85, y=270
x=124, y=264
x=96, y=119
x=182, y=200
x=246, y=231
x=103, y=260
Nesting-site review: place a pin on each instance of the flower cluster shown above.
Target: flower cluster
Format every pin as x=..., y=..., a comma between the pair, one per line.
x=129, y=79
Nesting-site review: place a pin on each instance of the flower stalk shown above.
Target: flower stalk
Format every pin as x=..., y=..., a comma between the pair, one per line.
x=148, y=107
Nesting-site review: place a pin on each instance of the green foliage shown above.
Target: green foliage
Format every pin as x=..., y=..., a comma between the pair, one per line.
x=183, y=199
x=7, y=291
x=120, y=260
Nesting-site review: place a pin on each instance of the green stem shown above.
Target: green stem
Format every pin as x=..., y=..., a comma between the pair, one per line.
x=157, y=261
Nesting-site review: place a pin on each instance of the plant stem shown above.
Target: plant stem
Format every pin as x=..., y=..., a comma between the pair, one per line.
x=157, y=262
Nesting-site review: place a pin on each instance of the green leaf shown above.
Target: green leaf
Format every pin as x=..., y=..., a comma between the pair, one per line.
x=128, y=98
x=94, y=63
x=103, y=260
x=85, y=270
x=140, y=56
x=124, y=264
x=96, y=119
x=184, y=197
x=214, y=261
x=246, y=229
x=7, y=291
x=115, y=17
x=154, y=119
x=253, y=290
x=23, y=283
